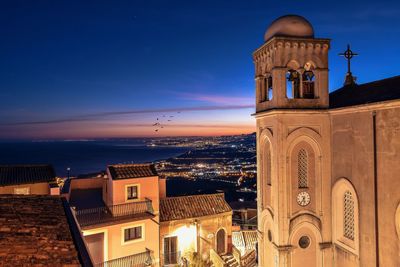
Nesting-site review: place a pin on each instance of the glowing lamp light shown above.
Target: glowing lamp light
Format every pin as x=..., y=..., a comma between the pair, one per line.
x=186, y=238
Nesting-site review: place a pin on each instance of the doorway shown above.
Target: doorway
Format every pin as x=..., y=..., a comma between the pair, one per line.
x=221, y=241
x=170, y=250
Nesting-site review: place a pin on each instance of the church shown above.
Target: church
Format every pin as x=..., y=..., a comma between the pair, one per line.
x=328, y=162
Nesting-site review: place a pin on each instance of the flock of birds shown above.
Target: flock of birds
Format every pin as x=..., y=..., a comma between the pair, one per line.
x=160, y=122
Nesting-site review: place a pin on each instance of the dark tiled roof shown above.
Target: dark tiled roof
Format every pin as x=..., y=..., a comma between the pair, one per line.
x=127, y=171
x=26, y=174
x=186, y=207
x=351, y=95
x=35, y=231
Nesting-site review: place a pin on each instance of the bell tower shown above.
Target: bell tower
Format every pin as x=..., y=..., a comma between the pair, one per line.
x=293, y=146
x=291, y=67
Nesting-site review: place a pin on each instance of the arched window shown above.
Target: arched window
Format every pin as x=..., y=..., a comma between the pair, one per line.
x=265, y=88
x=269, y=88
x=348, y=215
x=268, y=166
x=302, y=168
x=293, y=84
x=345, y=216
x=308, y=84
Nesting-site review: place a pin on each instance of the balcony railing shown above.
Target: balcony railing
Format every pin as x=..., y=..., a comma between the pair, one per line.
x=109, y=214
x=171, y=259
x=138, y=260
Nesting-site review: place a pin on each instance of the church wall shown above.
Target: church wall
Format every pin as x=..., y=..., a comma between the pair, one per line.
x=388, y=162
x=353, y=159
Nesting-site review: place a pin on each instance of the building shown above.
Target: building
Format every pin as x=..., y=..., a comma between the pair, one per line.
x=193, y=226
x=328, y=164
x=126, y=218
x=39, y=231
x=118, y=214
x=28, y=180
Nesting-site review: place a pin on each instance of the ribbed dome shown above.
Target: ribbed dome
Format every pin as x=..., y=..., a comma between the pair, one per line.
x=290, y=26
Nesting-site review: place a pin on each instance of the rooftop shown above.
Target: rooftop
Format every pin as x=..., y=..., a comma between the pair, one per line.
x=128, y=171
x=115, y=214
x=35, y=230
x=359, y=94
x=26, y=174
x=186, y=207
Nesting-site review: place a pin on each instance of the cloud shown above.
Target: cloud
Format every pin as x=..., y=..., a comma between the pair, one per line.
x=216, y=99
x=103, y=115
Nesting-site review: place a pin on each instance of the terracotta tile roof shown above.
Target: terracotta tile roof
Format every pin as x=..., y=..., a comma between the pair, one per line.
x=127, y=171
x=34, y=230
x=186, y=207
x=26, y=174
x=359, y=94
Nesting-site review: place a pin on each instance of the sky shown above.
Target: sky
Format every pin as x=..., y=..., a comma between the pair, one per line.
x=104, y=69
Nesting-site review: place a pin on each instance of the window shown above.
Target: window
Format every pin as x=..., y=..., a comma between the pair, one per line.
x=345, y=224
x=265, y=88
x=308, y=84
x=293, y=84
x=132, y=233
x=268, y=166
x=269, y=88
x=171, y=253
x=132, y=192
x=348, y=217
x=304, y=242
x=302, y=168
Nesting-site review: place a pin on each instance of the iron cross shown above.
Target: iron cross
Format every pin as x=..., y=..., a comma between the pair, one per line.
x=348, y=54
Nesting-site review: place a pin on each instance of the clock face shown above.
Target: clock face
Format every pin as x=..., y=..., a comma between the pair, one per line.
x=303, y=199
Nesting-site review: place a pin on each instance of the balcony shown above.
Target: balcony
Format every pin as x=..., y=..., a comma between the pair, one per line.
x=108, y=215
x=143, y=259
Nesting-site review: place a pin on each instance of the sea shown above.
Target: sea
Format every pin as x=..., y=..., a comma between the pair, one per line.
x=84, y=156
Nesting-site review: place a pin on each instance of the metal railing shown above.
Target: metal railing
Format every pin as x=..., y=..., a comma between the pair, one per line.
x=105, y=214
x=143, y=259
x=171, y=259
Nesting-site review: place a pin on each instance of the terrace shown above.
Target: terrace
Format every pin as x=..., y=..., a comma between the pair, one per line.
x=108, y=215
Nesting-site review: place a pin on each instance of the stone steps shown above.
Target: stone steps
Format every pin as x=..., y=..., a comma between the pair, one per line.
x=230, y=260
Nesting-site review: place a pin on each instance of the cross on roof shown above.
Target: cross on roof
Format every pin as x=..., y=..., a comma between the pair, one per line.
x=348, y=54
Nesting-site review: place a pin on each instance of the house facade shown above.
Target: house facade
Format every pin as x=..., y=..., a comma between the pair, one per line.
x=125, y=218
x=28, y=180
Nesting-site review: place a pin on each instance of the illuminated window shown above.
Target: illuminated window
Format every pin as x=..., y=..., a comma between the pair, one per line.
x=132, y=233
x=348, y=223
x=302, y=168
x=132, y=192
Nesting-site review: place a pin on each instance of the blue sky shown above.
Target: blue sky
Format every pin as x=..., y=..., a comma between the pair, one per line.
x=86, y=67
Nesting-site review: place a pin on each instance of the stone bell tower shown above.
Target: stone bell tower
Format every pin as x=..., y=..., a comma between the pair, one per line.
x=293, y=146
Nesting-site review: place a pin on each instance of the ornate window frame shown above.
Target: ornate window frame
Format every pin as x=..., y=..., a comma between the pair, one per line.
x=342, y=187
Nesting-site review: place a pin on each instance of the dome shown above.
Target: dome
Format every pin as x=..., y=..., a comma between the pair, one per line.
x=290, y=26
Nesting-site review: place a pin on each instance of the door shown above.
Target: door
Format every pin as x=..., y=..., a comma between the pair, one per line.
x=95, y=244
x=171, y=250
x=221, y=241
